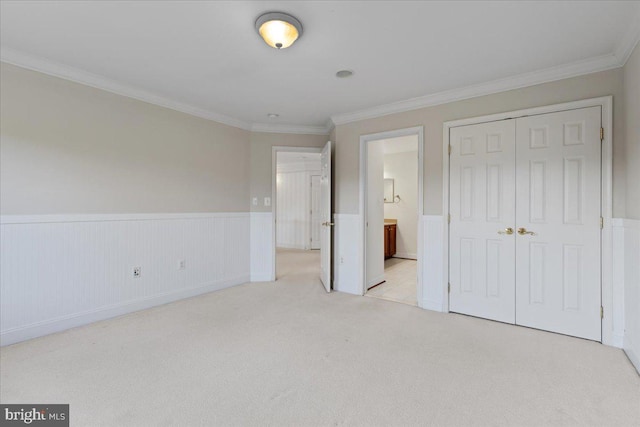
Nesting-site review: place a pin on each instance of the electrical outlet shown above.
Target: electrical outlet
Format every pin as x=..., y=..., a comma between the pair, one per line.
x=182, y=264
x=255, y=201
x=136, y=271
x=267, y=201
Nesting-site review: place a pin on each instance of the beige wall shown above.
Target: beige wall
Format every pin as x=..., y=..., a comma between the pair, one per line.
x=432, y=118
x=632, y=132
x=69, y=148
x=261, y=144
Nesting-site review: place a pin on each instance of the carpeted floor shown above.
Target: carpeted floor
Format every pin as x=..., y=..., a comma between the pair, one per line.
x=288, y=353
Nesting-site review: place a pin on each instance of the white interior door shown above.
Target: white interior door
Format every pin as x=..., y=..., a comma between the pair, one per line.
x=482, y=208
x=325, y=209
x=316, y=218
x=374, y=251
x=558, y=193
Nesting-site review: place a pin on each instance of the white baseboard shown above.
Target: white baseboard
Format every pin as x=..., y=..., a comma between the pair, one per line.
x=27, y=332
x=433, y=305
x=261, y=277
x=632, y=355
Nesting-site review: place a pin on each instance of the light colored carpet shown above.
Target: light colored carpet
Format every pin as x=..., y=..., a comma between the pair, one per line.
x=288, y=353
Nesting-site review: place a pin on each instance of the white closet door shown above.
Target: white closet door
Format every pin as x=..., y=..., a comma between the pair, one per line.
x=482, y=207
x=558, y=199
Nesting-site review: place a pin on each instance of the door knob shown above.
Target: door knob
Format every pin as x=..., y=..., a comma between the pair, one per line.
x=506, y=231
x=522, y=231
x=328, y=224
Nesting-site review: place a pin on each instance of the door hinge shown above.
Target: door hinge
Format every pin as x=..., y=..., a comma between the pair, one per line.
x=449, y=218
x=449, y=149
x=601, y=312
x=601, y=223
x=601, y=134
x=448, y=288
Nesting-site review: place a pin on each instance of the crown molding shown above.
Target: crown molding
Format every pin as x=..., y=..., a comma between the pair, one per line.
x=630, y=39
x=330, y=125
x=284, y=128
x=592, y=65
x=55, y=69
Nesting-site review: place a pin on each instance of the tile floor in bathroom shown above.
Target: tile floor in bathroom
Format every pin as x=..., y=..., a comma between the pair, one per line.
x=400, y=285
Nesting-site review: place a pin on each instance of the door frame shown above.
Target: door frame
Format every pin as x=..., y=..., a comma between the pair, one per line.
x=364, y=140
x=274, y=171
x=606, y=198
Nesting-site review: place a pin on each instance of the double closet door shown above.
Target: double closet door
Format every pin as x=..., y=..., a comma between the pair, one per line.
x=526, y=221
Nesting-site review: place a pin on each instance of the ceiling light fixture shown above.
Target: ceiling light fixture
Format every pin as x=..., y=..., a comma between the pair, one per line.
x=343, y=74
x=273, y=115
x=278, y=29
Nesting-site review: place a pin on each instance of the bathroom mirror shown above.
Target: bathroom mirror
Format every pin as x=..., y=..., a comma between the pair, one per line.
x=388, y=190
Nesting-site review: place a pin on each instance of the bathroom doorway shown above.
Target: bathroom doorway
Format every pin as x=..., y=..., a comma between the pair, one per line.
x=392, y=204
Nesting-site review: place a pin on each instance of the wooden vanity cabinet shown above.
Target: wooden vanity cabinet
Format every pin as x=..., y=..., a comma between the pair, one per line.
x=389, y=240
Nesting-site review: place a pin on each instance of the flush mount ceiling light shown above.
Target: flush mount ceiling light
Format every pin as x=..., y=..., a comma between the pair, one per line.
x=343, y=74
x=273, y=115
x=278, y=29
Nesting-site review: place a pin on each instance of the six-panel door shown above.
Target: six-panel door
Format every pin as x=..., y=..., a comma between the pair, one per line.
x=538, y=177
x=482, y=207
x=558, y=199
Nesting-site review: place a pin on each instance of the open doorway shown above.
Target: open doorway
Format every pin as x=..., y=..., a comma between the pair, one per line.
x=392, y=203
x=296, y=207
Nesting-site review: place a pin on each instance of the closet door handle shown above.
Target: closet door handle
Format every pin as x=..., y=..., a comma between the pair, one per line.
x=506, y=231
x=522, y=231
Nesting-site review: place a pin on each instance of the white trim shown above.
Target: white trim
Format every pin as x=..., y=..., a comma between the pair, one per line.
x=295, y=129
x=578, y=68
x=45, y=66
x=261, y=265
x=606, y=104
x=274, y=171
x=431, y=231
x=347, y=247
x=23, y=333
x=633, y=224
x=36, y=219
x=364, y=139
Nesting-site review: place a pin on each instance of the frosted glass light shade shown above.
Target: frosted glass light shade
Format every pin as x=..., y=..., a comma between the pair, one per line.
x=278, y=30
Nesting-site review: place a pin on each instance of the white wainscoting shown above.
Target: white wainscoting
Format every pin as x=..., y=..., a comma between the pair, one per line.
x=626, y=286
x=62, y=271
x=434, y=296
x=348, y=248
x=262, y=255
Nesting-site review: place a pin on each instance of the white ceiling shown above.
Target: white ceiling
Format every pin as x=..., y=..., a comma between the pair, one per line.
x=207, y=59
